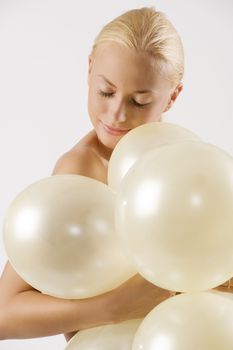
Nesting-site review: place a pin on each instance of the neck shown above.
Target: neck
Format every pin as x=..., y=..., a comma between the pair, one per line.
x=104, y=151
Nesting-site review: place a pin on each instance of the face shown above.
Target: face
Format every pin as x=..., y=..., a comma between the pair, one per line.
x=125, y=91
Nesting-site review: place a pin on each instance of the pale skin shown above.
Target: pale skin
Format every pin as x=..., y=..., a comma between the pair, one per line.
x=125, y=91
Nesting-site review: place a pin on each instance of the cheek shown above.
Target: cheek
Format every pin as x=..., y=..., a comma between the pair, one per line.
x=155, y=113
x=95, y=104
x=148, y=116
x=154, y=116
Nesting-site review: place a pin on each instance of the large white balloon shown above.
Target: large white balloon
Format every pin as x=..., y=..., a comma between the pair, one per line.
x=115, y=337
x=139, y=141
x=202, y=321
x=228, y=294
x=60, y=237
x=174, y=216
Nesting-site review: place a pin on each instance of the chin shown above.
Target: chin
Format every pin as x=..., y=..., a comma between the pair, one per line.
x=108, y=140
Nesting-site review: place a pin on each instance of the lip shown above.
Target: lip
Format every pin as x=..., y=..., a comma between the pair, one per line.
x=115, y=131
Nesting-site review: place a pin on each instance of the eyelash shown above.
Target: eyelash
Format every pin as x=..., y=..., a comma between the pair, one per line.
x=110, y=94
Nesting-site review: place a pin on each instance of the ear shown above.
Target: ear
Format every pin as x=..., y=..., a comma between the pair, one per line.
x=90, y=64
x=174, y=96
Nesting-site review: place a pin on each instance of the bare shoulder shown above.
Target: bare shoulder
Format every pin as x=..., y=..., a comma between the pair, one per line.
x=81, y=160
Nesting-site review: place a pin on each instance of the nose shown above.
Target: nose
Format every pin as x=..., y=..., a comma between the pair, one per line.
x=118, y=110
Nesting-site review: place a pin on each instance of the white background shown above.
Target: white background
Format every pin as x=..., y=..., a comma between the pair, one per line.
x=44, y=47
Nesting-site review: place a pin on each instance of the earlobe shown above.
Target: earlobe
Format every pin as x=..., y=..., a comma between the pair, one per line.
x=168, y=107
x=174, y=96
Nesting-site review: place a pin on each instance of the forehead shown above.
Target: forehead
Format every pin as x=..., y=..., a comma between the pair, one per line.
x=122, y=65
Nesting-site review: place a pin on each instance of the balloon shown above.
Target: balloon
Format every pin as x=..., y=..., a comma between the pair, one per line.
x=115, y=337
x=59, y=236
x=174, y=216
x=228, y=295
x=200, y=321
x=139, y=141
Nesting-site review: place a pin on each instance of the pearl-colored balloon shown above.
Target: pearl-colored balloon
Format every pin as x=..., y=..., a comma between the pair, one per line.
x=228, y=295
x=115, y=337
x=60, y=237
x=139, y=141
x=174, y=216
x=202, y=321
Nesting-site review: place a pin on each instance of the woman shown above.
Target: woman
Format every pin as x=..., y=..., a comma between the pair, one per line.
x=135, y=72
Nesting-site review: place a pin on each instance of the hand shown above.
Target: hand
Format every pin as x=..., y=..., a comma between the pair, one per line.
x=135, y=298
x=226, y=287
x=70, y=335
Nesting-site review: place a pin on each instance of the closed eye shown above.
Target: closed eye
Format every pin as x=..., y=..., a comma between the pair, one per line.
x=139, y=105
x=106, y=94
x=111, y=94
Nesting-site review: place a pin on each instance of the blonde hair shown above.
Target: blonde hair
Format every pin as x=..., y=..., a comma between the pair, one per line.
x=147, y=30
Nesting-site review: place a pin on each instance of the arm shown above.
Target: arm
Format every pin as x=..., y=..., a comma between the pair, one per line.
x=27, y=313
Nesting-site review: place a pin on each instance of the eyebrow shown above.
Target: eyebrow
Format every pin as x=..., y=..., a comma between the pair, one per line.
x=137, y=92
